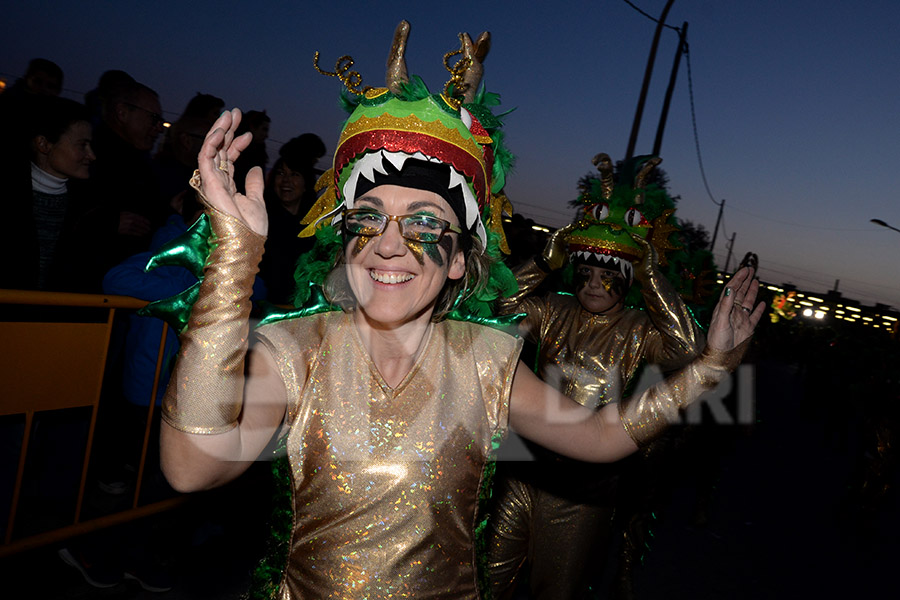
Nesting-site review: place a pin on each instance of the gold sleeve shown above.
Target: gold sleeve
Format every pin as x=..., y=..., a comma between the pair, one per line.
x=645, y=417
x=206, y=389
x=529, y=276
x=680, y=338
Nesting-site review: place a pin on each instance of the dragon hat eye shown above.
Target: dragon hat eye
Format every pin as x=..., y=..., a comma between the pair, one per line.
x=634, y=218
x=599, y=211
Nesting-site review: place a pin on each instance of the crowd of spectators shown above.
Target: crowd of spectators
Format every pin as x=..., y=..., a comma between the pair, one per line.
x=90, y=184
x=93, y=189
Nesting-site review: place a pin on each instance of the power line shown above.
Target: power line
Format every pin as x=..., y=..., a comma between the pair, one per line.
x=687, y=55
x=545, y=209
x=800, y=225
x=683, y=40
x=654, y=19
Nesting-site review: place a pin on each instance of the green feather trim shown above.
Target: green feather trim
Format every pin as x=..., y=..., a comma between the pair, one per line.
x=315, y=265
x=414, y=89
x=504, y=161
x=348, y=100
x=501, y=283
x=265, y=580
x=485, y=491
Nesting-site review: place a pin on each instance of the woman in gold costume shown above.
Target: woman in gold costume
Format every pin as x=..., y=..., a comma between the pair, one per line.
x=390, y=410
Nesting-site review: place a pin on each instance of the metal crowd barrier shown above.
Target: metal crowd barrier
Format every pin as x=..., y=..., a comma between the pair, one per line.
x=54, y=353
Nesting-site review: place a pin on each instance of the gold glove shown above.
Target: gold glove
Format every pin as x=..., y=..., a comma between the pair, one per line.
x=649, y=262
x=646, y=417
x=556, y=251
x=206, y=389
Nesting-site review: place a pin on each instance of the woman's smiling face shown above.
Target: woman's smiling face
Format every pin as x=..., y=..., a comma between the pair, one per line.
x=396, y=280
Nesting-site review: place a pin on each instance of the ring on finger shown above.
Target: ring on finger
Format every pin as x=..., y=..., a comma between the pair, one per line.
x=745, y=308
x=223, y=165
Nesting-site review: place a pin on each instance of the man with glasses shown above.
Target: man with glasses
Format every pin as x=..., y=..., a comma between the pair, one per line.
x=123, y=181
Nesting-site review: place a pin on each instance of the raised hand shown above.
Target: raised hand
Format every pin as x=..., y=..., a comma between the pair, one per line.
x=735, y=316
x=649, y=258
x=216, y=166
x=556, y=252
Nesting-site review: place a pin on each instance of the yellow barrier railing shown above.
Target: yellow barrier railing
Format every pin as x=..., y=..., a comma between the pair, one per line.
x=57, y=363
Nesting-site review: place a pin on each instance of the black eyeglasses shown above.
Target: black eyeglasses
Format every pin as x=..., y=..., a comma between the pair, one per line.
x=417, y=228
x=156, y=117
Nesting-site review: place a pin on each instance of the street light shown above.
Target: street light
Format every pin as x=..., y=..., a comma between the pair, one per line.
x=883, y=224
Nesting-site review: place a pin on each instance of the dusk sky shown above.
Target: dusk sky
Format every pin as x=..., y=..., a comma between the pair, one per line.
x=797, y=103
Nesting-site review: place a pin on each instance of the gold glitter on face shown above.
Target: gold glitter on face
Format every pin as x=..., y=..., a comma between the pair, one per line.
x=418, y=251
x=361, y=242
x=395, y=280
x=599, y=290
x=608, y=281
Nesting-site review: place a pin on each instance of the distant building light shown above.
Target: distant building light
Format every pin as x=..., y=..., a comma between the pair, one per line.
x=807, y=312
x=887, y=318
x=853, y=308
x=814, y=299
x=166, y=124
x=838, y=312
x=805, y=303
x=540, y=228
x=819, y=314
x=867, y=319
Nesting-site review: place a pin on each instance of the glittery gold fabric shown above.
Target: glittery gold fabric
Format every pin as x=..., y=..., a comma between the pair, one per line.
x=385, y=479
x=554, y=514
x=210, y=362
x=589, y=357
x=644, y=418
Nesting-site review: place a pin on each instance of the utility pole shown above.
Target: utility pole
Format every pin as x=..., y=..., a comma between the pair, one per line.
x=647, y=73
x=682, y=43
x=730, y=248
x=712, y=246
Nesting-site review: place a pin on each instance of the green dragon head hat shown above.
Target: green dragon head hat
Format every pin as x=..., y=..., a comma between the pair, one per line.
x=612, y=213
x=404, y=121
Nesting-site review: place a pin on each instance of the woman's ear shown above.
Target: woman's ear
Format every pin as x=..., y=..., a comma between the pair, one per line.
x=457, y=264
x=41, y=144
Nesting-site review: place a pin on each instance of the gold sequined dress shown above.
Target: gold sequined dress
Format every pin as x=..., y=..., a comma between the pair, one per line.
x=386, y=480
x=555, y=512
